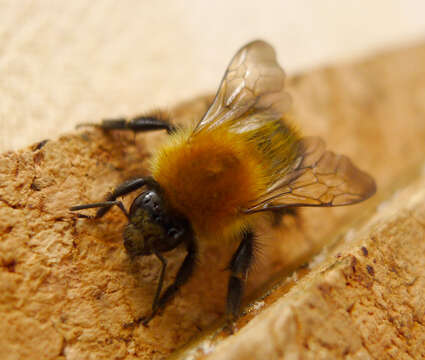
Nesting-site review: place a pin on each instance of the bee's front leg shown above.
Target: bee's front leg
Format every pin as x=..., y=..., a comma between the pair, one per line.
x=184, y=273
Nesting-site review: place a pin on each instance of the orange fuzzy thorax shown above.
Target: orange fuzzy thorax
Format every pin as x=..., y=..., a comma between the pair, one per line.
x=209, y=178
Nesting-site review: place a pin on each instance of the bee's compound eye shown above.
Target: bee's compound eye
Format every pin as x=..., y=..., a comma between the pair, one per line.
x=151, y=200
x=147, y=198
x=174, y=233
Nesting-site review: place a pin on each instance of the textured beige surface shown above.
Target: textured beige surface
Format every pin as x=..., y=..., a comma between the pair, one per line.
x=67, y=287
x=364, y=302
x=66, y=62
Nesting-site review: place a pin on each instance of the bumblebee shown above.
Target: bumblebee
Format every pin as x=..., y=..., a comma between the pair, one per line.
x=212, y=181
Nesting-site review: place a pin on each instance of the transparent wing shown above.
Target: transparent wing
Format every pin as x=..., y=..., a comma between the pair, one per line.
x=253, y=84
x=318, y=177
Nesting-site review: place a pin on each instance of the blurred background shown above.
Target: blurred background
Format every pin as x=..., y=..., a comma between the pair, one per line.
x=63, y=62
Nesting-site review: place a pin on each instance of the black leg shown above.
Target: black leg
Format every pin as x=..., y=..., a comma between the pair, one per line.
x=136, y=124
x=160, y=281
x=123, y=189
x=239, y=266
x=102, y=205
x=184, y=273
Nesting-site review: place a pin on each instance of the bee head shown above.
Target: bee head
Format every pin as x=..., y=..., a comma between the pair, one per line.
x=153, y=227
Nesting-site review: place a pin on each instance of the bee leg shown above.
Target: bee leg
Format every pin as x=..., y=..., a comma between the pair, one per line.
x=102, y=205
x=239, y=266
x=136, y=124
x=159, y=287
x=184, y=273
x=123, y=189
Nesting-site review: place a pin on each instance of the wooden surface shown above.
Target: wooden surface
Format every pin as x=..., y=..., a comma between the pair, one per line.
x=67, y=286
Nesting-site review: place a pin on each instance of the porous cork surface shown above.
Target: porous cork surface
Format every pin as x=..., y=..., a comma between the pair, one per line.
x=67, y=287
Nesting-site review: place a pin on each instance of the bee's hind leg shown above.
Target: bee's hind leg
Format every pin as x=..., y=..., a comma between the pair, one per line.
x=137, y=124
x=239, y=266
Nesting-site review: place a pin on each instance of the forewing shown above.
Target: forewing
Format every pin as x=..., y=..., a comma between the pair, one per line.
x=318, y=177
x=253, y=84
